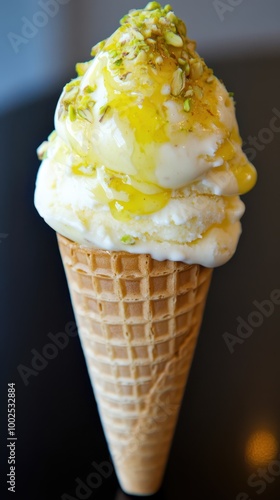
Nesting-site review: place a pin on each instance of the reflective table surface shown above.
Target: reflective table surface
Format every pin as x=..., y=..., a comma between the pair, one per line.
x=227, y=442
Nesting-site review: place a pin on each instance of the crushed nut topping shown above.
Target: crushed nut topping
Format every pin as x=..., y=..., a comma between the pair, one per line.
x=152, y=41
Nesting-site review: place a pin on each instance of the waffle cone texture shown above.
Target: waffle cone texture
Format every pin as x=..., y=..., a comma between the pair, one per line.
x=138, y=322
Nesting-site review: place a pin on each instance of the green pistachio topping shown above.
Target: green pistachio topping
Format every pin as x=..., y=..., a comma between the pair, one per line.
x=81, y=68
x=187, y=105
x=178, y=82
x=85, y=114
x=89, y=89
x=127, y=239
x=153, y=6
x=150, y=41
x=187, y=69
x=74, y=83
x=84, y=102
x=97, y=48
x=167, y=8
x=103, y=110
x=72, y=113
x=196, y=70
x=173, y=39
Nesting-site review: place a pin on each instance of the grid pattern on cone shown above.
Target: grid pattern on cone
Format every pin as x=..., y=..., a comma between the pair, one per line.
x=138, y=321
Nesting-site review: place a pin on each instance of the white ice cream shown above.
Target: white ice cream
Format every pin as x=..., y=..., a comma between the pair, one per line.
x=146, y=156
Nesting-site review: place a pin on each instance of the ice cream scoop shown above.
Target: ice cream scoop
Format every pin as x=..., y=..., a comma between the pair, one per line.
x=146, y=151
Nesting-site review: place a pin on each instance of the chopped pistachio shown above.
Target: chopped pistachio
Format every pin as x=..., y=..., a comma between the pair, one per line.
x=173, y=39
x=167, y=8
x=97, y=48
x=178, y=82
x=147, y=33
x=187, y=69
x=70, y=96
x=196, y=70
x=187, y=105
x=103, y=110
x=84, y=102
x=81, y=68
x=153, y=6
x=210, y=79
x=181, y=61
x=163, y=21
x=127, y=239
x=182, y=28
x=189, y=93
x=155, y=29
x=72, y=113
x=118, y=62
x=89, y=89
x=124, y=19
x=73, y=83
x=151, y=41
x=113, y=54
x=141, y=57
x=159, y=60
x=125, y=75
x=171, y=17
x=138, y=34
x=198, y=92
x=131, y=55
x=185, y=55
x=231, y=94
x=85, y=114
x=191, y=45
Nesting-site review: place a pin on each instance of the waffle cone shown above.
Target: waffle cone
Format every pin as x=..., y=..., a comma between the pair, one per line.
x=138, y=322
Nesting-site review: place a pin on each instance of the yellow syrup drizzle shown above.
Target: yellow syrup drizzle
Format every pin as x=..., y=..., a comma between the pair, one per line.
x=144, y=109
x=84, y=169
x=147, y=119
x=244, y=173
x=138, y=203
x=226, y=150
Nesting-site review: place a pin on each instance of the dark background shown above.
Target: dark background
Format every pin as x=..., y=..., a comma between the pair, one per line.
x=229, y=395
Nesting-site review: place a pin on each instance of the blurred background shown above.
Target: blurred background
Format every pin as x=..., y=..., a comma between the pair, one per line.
x=41, y=40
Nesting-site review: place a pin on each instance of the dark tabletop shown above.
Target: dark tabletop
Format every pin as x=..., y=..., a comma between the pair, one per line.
x=233, y=392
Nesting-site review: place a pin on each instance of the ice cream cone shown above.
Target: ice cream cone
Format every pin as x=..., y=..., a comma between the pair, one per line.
x=138, y=321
